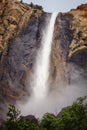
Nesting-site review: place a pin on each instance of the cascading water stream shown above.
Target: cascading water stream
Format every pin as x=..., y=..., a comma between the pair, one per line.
x=41, y=74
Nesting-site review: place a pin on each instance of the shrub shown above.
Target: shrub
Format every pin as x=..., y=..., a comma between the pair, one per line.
x=13, y=121
x=72, y=118
x=49, y=122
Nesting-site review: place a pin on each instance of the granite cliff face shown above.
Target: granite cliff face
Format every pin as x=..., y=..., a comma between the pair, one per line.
x=69, y=44
x=19, y=39
x=21, y=27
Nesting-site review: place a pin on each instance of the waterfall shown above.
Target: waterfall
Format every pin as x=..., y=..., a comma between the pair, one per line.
x=41, y=74
x=39, y=82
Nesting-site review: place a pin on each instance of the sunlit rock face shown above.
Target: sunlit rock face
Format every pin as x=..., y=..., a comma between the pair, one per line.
x=21, y=28
x=69, y=44
x=20, y=35
x=14, y=16
x=78, y=45
x=71, y=33
x=63, y=36
x=18, y=62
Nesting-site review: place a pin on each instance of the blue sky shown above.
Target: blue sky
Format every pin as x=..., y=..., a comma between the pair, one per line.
x=57, y=5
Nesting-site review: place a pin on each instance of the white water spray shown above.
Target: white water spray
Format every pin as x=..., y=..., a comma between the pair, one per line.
x=40, y=77
x=41, y=73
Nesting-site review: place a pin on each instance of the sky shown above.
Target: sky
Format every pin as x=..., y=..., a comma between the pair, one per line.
x=57, y=5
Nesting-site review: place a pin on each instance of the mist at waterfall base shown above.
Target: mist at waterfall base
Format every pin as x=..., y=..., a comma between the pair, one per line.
x=42, y=99
x=54, y=101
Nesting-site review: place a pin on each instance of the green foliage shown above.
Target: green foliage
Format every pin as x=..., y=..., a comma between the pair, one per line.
x=31, y=4
x=36, y=6
x=13, y=121
x=13, y=113
x=20, y=125
x=72, y=118
x=26, y=125
x=49, y=122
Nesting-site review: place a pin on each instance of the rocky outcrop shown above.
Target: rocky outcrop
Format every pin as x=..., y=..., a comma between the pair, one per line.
x=19, y=39
x=21, y=28
x=14, y=16
x=71, y=33
x=69, y=44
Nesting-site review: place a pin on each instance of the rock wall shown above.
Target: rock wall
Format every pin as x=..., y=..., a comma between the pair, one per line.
x=20, y=27
x=69, y=44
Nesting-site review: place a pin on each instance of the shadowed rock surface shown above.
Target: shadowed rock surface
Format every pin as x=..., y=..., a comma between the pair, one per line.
x=21, y=29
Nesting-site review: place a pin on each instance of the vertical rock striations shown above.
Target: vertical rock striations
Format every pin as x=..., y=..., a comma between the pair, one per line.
x=69, y=44
x=19, y=31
